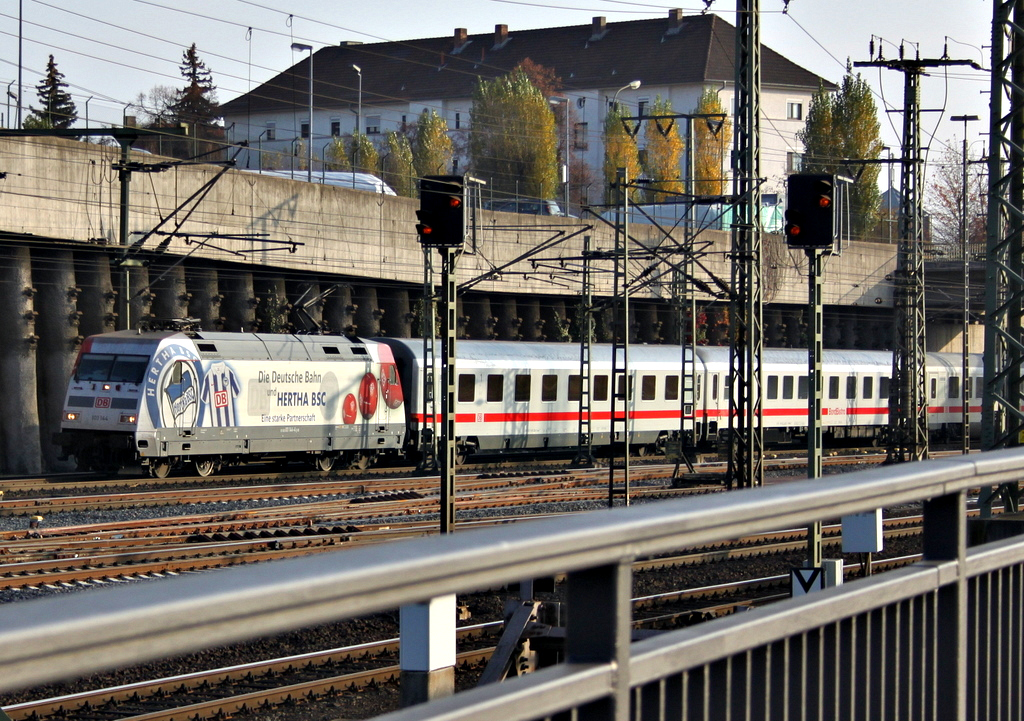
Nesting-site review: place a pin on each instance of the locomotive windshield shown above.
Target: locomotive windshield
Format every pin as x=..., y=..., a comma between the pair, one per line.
x=110, y=367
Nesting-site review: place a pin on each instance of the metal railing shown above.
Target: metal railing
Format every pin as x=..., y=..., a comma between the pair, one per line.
x=941, y=639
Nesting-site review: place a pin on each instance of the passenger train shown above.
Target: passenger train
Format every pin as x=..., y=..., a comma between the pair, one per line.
x=173, y=399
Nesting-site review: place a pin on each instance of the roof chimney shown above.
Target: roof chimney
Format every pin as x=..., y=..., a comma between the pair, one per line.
x=599, y=28
x=460, y=38
x=675, y=21
x=500, y=35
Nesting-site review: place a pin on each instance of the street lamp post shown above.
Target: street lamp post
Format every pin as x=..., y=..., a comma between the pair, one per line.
x=302, y=47
x=565, y=156
x=359, y=101
x=631, y=86
x=965, y=416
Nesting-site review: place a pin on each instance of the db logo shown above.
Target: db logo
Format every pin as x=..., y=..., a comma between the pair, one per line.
x=220, y=399
x=103, y=402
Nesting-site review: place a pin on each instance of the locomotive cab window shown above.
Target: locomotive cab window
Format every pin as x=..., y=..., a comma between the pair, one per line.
x=495, y=388
x=648, y=388
x=549, y=387
x=467, y=388
x=671, y=388
x=522, y=389
x=110, y=367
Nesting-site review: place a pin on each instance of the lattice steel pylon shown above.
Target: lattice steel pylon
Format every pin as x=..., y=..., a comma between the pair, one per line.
x=1002, y=422
x=746, y=435
x=908, y=397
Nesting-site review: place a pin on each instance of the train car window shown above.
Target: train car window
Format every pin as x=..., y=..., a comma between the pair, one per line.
x=206, y=347
x=787, y=387
x=549, y=387
x=467, y=387
x=575, y=388
x=331, y=350
x=934, y=388
x=522, y=389
x=967, y=389
x=979, y=387
x=773, y=388
x=851, y=388
x=883, y=387
x=671, y=388
x=600, y=388
x=833, y=387
x=869, y=387
x=803, y=387
x=620, y=388
x=495, y=388
x=714, y=387
x=953, y=391
x=648, y=388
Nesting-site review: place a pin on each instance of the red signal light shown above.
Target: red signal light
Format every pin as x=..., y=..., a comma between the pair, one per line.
x=824, y=201
x=454, y=202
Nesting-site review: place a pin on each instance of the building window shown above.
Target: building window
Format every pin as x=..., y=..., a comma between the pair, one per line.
x=271, y=131
x=794, y=162
x=641, y=106
x=373, y=125
x=794, y=111
x=458, y=120
x=579, y=140
x=335, y=127
x=304, y=129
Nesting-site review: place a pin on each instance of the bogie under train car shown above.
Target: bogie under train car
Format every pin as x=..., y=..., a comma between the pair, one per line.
x=169, y=400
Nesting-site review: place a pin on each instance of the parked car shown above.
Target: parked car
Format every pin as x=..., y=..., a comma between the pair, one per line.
x=530, y=206
x=340, y=178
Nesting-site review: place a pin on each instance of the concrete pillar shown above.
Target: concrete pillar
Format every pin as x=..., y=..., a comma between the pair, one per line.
x=796, y=329
x=368, y=315
x=98, y=298
x=339, y=311
x=773, y=328
x=272, y=309
x=206, y=298
x=239, y=304
x=398, y=317
x=646, y=325
x=668, y=316
x=427, y=650
x=480, y=323
x=556, y=324
x=532, y=328
x=57, y=327
x=20, y=450
x=507, y=312
x=138, y=295
x=603, y=326
x=300, y=294
x=718, y=325
x=170, y=292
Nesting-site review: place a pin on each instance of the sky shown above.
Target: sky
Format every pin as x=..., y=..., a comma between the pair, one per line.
x=111, y=51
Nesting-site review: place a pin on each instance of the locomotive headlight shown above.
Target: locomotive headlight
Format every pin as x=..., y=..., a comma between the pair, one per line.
x=106, y=386
x=128, y=418
x=71, y=416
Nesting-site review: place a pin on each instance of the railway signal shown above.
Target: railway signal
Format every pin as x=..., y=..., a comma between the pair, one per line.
x=810, y=211
x=442, y=212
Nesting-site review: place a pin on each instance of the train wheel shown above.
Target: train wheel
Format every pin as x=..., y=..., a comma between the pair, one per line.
x=361, y=460
x=325, y=461
x=206, y=467
x=160, y=468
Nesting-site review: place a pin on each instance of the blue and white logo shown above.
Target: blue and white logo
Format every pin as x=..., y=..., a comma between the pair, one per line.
x=172, y=387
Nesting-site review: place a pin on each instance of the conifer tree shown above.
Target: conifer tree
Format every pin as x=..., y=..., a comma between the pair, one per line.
x=57, y=109
x=844, y=126
x=512, y=139
x=711, y=138
x=432, y=147
x=196, y=103
x=620, y=151
x=664, y=153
